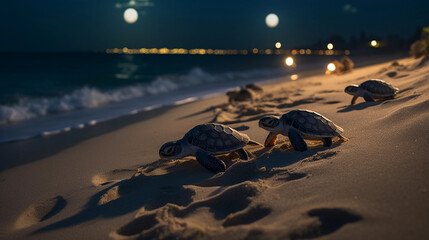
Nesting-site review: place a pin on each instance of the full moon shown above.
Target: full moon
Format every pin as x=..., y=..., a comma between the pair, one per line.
x=131, y=15
x=272, y=20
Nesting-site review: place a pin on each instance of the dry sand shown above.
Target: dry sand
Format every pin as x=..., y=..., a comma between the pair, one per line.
x=372, y=186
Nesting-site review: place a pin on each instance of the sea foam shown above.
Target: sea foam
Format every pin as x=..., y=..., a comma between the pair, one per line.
x=90, y=97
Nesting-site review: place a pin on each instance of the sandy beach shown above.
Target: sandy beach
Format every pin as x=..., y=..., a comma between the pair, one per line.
x=108, y=182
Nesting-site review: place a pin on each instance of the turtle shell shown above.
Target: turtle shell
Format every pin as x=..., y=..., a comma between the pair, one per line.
x=311, y=123
x=379, y=88
x=216, y=138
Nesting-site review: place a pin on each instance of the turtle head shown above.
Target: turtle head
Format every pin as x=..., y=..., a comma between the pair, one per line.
x=352, y=90
x=171, y=150
x=270, y=123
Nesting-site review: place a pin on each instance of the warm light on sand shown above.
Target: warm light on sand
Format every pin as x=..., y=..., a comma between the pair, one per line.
x=289, y=61
x=272, y=20
x=278, y=45
x=330, y=46
x=131, y=15
x=331, y=67
x=294, y=77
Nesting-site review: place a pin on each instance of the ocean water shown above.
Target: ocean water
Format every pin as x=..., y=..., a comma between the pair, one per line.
x=42, y=94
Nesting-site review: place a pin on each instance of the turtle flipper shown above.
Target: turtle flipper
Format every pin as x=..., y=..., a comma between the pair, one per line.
x=327, y=141
x=368, y=97
x=354, y=100
x=243, y=154
x=271, y=139
x=210, y=162
x=297, y=141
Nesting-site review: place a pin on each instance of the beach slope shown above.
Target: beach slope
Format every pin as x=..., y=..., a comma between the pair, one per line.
x=372, y=184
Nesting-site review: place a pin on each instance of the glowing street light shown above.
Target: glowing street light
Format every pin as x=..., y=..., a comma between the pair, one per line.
x=331, y=67
x=330, y=46
x=294, y=77
x=278, y=45
x=374, y=43
x=289, y=61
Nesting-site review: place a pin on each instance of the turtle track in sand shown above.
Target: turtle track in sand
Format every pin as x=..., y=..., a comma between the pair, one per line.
x=223, y=203
x=198, y=204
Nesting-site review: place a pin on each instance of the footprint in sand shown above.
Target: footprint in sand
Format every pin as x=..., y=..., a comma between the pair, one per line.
x=40, y=211
x=247, y=216
x=116, y=175
x=321, y=156
x=326, y=221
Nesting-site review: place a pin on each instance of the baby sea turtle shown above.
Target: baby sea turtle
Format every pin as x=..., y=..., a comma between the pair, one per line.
x=372, y=89
x=205, y=140
x=300, y=124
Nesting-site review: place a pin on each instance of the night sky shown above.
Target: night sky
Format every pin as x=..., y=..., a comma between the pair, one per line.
x=89, y=25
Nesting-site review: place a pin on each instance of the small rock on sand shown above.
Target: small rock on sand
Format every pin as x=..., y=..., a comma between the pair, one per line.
x=249, y=92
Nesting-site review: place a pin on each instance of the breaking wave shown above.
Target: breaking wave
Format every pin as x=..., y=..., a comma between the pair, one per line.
x=90, y=97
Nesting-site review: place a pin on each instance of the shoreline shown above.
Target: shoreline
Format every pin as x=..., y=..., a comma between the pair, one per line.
x=23, y=130
x=37, y=146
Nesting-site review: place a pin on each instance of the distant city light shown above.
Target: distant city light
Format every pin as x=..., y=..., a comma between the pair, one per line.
x=330, y=46
x=272, y=20
x=289, y=61
x=278, y=45
x=210, y=51
x=294, y=77
x=329, y=52
x=374, y=43
x=331, y=67
x=131, y=15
